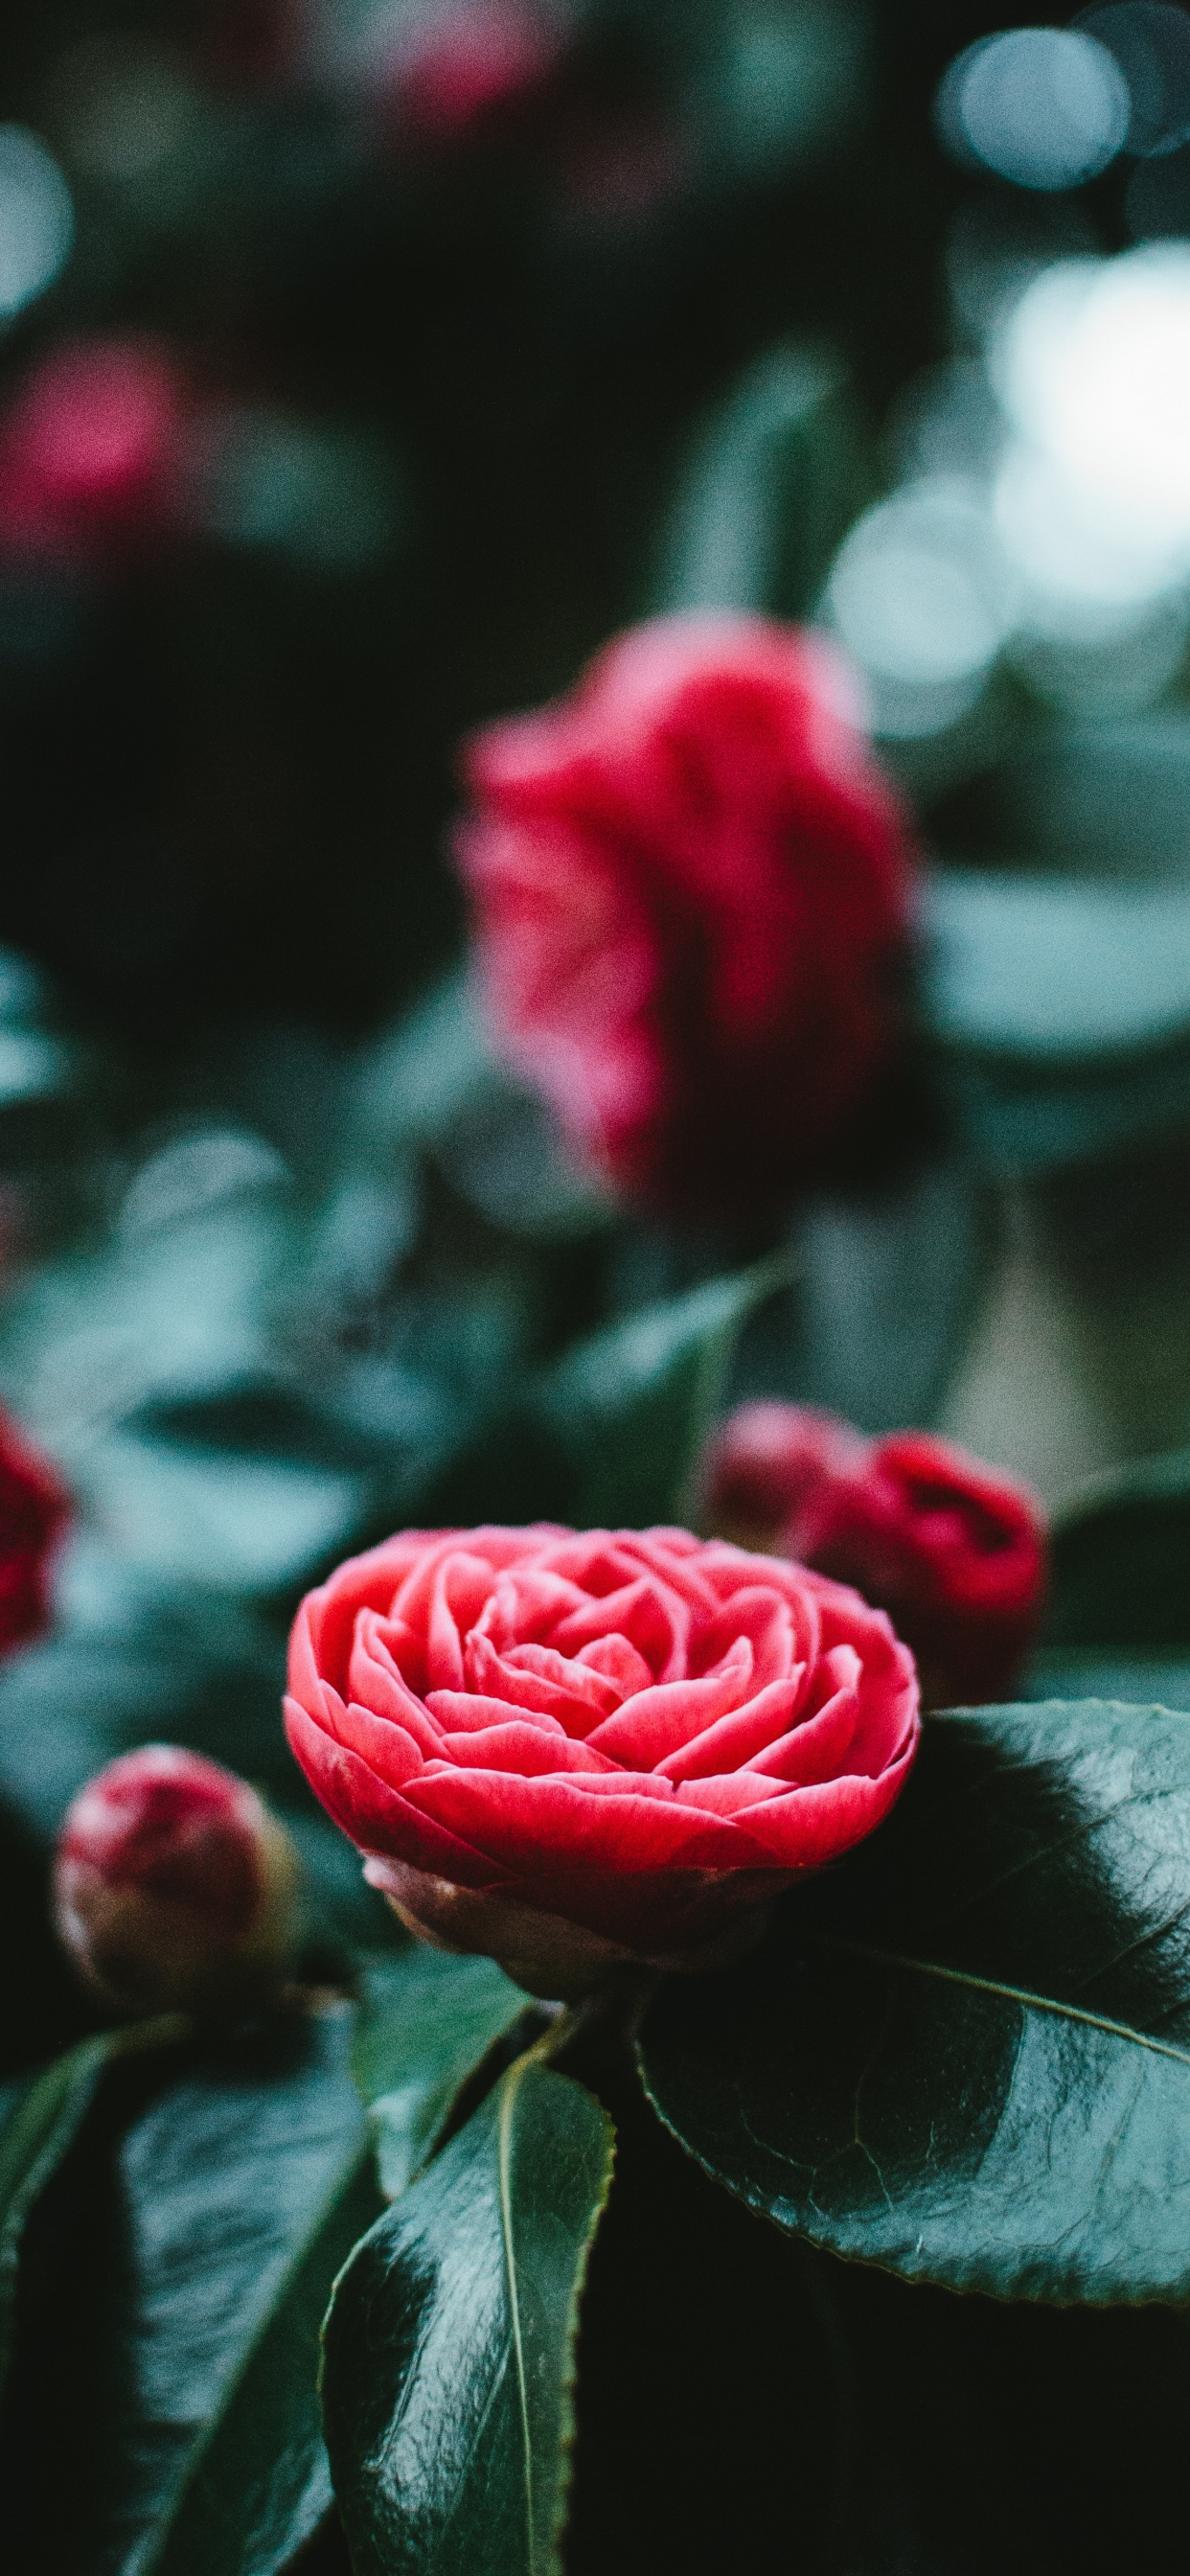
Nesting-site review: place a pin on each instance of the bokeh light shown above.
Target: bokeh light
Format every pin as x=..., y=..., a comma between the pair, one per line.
x=1151, y=43
x=88, y=449
x=36, y=219
x=922, y=597
x=1046, y=107
x=1093, y=368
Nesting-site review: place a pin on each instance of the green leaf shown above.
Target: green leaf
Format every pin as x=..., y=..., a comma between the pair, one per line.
x=1149, y=1680
x=767, y=491
x=41, y=2119
x=258, y=2481
x=1054, y=972
x=449, y=2345
x=632, y=1406
x=185, y=2249
x=1063, y=1012
x=428, y=2021
x=1121, y=1559
x=965, y=2055
x=258, y=2484
x=1015, y=1125
x=1108, y=800
x=854, y=1333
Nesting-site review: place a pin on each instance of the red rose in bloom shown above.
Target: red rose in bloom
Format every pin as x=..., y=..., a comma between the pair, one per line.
x=692, y=891
x=33, y=1511
x=173, y=1884
x=567, y=1749
x=89, y=448
x=954, y=1550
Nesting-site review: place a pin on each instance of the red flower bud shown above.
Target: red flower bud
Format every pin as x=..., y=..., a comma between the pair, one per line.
x=173, y=1885
x=765, y=1460
x=33, y=1511
x=89, y=449
x=467, y=63
x=693, y=891
x=954, y=1550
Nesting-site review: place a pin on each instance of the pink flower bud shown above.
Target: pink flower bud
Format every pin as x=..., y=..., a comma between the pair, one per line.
x=764, y=1461
x=173, y=1885
x=89, y=448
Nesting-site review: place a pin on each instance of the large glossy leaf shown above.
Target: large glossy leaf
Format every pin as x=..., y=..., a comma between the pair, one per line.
x=450, y=2340
x=631, y=1407
x=1121, y=1560
x=258, y=2482
x=208, y=2191
x=966, y=2055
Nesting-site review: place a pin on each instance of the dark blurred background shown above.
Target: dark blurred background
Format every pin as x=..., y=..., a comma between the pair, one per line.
x=439, y=363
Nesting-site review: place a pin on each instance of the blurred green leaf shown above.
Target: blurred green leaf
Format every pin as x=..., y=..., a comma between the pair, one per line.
x=965, y=2054
x=40, y=2118
x=1121, y=1560
x=1140, y=1680
x=854, y=1333
x=449, y=2344
x=632, y=1406
x=1062, y=1012
x=1100, y=801
x=767, y=491
x=1053, y=973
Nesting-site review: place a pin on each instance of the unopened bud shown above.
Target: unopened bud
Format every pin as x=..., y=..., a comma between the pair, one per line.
x=174, y=1887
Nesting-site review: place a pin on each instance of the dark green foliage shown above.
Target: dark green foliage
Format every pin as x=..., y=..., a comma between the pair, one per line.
x=966, y=2054
x=1121, y=1560
x=213, y=2183
x=449, y=2372
x=632, y=1407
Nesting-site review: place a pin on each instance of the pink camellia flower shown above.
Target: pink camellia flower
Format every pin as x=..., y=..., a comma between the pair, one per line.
x=34, y=1508
x=463, y=63
x=692, y=892
x=573, y=1749
x=89, y=449
x=954, y=1550
x=173, y=1885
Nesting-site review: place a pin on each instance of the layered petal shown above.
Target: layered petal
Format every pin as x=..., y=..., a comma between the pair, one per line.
x=640, y=1732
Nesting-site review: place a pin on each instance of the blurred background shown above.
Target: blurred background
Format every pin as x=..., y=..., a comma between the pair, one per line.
x=364, y=364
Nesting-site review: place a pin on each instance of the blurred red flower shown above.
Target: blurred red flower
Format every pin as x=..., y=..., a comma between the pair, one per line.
x=954, y=1550
x=34, y=1508
x=692, y=892
x=89, y=449
x=464, y=63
